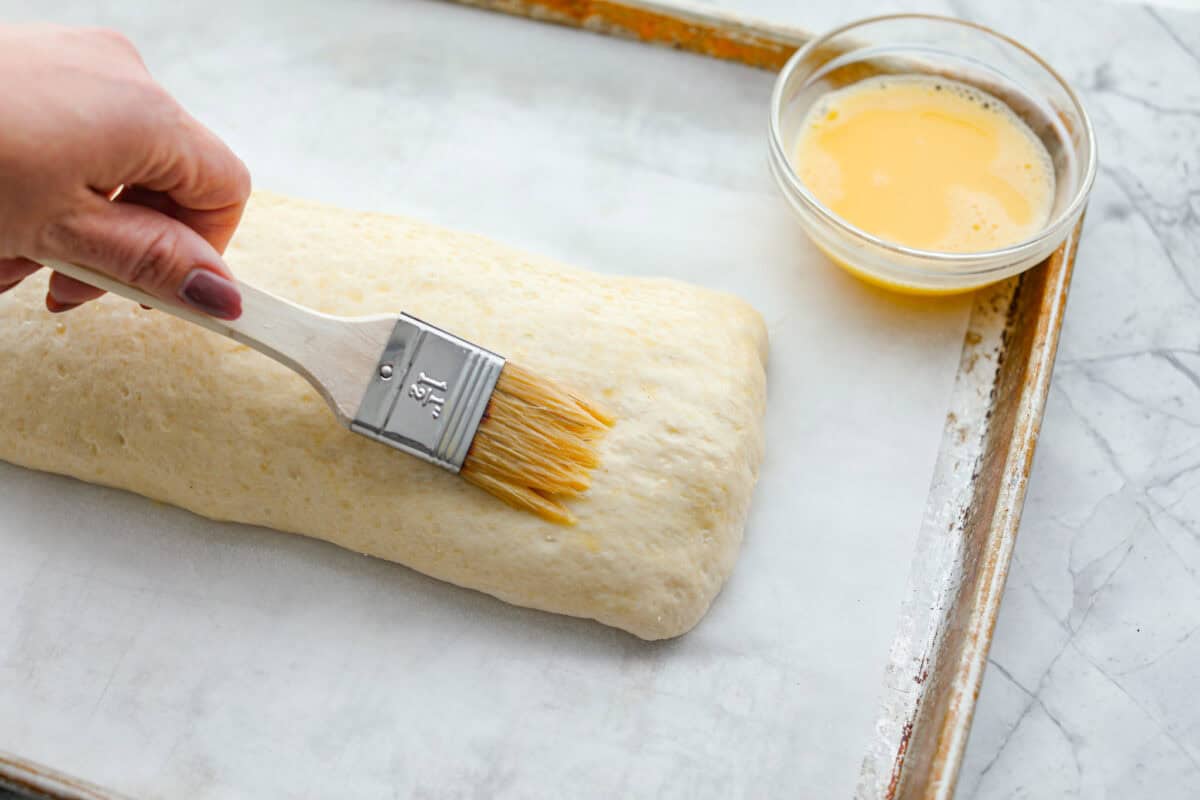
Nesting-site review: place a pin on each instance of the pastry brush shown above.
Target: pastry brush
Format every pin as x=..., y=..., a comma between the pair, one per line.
x=419, y=389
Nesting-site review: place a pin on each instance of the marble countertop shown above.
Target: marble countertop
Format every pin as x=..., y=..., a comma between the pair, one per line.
x=1089, y=691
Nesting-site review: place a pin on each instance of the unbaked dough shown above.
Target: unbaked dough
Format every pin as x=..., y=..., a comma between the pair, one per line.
x=135, y=399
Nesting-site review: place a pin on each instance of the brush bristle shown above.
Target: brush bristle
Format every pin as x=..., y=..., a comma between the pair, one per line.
x=536, y=444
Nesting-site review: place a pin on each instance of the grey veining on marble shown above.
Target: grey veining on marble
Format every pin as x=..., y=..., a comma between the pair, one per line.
x=1091, y=689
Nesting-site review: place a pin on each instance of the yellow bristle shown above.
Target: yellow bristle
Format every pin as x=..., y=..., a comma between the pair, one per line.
x=535, y=444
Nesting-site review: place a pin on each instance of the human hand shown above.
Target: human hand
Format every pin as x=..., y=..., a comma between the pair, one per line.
x=81, y=117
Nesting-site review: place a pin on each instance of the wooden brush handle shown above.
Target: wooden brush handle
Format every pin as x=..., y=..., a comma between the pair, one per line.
x=335, y=354
x=282, y=330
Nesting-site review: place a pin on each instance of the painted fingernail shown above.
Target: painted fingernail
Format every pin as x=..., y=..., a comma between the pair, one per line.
x=56, y=307
x=4, y=288
x=205, y=290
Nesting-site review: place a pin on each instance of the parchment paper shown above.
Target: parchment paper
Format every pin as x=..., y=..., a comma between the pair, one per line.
x=164, y=655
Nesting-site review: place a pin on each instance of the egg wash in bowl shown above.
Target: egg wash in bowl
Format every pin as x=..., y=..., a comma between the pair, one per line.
x=926, y=162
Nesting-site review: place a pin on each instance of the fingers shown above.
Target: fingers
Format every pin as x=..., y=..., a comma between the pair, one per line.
x=66, y=293
x=15, y=270
x=159, y=201
x=146, y=249
x=217, y=225
x=206, y=182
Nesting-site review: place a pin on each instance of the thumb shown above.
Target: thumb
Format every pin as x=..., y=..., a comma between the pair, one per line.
x=151, y=251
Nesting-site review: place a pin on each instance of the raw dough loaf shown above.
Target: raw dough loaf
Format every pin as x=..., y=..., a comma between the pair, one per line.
x=119, y=396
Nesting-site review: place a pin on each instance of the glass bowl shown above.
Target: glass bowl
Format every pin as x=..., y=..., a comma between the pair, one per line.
x=947, y=48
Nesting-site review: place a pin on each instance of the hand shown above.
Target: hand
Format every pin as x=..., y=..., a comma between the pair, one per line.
x=81, y=117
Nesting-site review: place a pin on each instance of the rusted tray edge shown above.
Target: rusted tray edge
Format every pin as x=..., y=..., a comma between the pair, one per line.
x=678, y=25
x=989, y=528
x=940, y=551
x=973, y=512
x=33, y=780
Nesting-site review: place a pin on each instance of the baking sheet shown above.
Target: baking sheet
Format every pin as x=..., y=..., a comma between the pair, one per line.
x=160, y=654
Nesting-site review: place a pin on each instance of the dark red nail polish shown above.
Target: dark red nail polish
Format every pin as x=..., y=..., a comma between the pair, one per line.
x=56, y=307
x=205, y=290
x=4, y=288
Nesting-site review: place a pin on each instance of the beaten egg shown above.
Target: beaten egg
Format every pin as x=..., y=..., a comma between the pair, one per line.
x=927, y=163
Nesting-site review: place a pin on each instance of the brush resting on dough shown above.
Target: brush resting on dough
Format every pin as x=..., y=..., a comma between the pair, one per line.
x=119, y=396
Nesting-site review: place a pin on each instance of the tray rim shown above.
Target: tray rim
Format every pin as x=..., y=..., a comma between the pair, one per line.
x=934, y=730
x=35, y=780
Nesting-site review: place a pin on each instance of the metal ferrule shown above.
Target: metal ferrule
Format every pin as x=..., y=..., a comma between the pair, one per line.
x=428, y=393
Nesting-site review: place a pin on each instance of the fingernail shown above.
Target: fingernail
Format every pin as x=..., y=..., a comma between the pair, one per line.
x=56, y=307
x=7, y=286
x=205, y=290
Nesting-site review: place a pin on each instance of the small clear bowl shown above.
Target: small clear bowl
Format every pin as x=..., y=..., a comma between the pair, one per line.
x=947, y=48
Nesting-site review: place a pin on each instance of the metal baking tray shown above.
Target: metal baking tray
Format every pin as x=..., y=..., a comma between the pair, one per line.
x=926, y=688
